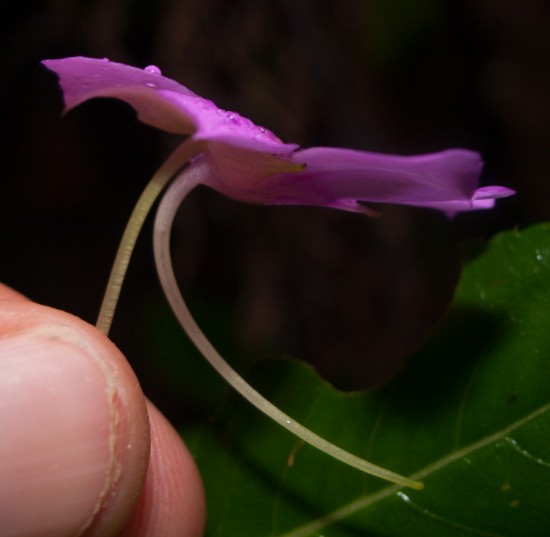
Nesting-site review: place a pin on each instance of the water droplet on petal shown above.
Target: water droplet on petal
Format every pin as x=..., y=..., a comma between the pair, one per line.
x=150, y=84
x=153, y=69
x=106, y=59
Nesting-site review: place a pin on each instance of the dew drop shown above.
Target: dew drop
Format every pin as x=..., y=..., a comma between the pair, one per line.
x=106, y=59
x=288, y=422
x=150, y=84
x=404, y=497
x=153, y=69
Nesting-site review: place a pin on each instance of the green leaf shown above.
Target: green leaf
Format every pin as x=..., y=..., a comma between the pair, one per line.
x=468, y=415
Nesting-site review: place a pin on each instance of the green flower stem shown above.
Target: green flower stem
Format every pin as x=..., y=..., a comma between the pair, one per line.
x=173, y=198
x=171, y=166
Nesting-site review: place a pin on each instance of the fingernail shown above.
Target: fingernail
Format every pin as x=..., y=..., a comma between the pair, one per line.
x=57, y=423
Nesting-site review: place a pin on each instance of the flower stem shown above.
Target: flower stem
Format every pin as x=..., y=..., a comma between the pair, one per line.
x=173, y=198
x=175, y=161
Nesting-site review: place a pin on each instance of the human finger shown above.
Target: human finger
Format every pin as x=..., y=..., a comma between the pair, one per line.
x=75, y=431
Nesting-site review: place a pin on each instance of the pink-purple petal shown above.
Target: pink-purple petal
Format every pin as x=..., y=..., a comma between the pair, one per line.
x=340, y=178
x=160, y=102
x=385, y=178
x=85, y=78
x=215, y=124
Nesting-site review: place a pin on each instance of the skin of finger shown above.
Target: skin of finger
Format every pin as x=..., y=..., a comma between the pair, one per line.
x=172, y=502
x=132, y=442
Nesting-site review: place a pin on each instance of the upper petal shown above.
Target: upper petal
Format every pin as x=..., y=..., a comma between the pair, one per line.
x=85, y=78
x=160, y=102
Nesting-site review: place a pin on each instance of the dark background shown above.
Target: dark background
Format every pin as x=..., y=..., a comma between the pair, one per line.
x=349, y=294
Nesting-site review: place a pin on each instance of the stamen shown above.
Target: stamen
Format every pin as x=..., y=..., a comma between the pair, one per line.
x=182, y=155
x=168, y=207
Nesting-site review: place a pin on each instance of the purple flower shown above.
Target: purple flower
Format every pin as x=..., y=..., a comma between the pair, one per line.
x=249, y=163
x=241, y=160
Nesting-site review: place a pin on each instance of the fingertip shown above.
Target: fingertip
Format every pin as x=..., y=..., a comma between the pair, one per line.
x=142, y=477
x=172, y=503
x=8, y=294
x=75, y=441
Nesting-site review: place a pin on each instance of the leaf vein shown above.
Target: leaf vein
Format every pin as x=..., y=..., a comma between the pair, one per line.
x=368, y=500
x=526, y=453
x=445, y=520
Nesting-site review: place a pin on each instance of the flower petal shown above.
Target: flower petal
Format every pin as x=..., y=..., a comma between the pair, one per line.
x=340, y=178
x=160, y=102
x=225, y=127
x=85, y=78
